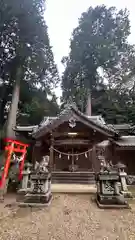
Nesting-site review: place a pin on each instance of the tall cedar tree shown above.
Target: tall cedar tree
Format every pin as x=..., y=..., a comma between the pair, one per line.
x=25, y=51
x=100, y=54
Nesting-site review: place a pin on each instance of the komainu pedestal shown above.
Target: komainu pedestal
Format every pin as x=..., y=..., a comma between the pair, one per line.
x=40, y=192
x=108, y=192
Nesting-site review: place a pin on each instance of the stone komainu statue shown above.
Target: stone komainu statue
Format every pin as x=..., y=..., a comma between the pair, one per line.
x=42, y=166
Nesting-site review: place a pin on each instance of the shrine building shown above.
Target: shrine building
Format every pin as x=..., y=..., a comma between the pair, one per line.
x=77, y=142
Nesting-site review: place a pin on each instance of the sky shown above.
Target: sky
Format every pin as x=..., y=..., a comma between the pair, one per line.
x=62, y=17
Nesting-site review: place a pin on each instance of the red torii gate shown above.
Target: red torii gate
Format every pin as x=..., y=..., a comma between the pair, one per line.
x=11, y=147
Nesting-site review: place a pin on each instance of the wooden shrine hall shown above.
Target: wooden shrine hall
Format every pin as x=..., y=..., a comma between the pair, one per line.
x=76, y=143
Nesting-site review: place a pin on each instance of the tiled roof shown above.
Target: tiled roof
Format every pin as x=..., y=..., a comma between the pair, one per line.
x=48, y=119
x=126, y=141
x=26, y=128
x=120, y=126
x=104, y=143
x=97, y=118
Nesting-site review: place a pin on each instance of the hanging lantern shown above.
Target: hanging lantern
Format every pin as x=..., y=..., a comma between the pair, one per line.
x=60, y=155
x=68, y=156
x=86, y=155
x=77, y=158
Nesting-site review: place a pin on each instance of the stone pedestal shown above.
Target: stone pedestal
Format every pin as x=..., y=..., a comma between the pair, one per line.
x=40, y=192
x=24, y=184
x=21, y=194
x=123, y=183
x=124, y=188
x=108, y=194
x=3, y=190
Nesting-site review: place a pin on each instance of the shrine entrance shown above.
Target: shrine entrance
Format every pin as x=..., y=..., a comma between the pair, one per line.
x=72, y=158
x=72, y=147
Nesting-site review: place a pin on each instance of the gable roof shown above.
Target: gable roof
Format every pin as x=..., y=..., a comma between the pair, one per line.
x=70, y=111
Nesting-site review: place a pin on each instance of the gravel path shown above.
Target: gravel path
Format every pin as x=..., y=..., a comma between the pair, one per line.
x=69, y=217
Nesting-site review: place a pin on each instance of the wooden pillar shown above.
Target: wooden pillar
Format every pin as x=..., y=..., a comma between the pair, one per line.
x=72, y=161
x=51, y=161
x=95, y=161
x=33, y=155
x=90, y=160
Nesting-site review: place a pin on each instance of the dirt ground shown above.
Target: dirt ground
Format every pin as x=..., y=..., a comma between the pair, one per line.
x=69, y=217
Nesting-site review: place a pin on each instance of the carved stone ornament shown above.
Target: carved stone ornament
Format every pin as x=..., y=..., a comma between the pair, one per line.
x=131, y=180
x=72, y=122
x=108, y=187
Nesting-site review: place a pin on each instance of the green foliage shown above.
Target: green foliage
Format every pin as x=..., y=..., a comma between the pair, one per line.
x=24, y=42
x=35, y=106
x=24, y=35
x=100, y=54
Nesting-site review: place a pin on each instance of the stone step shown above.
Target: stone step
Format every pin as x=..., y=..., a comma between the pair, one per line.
x=73, y=173
x=74, y=182
x=73, y=178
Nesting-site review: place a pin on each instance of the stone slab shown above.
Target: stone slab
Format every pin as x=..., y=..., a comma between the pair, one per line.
x=35, y=205
x=112, y=206
x=21, y=194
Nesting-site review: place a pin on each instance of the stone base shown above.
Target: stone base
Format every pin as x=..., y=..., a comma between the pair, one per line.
x=127, y=195
x=37, y=198
x=21, y=194
x=112, y=206
x=111, y=201
x=36, y=201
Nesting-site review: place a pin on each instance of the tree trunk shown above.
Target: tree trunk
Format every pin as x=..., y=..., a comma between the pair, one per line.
x=88, y=106
x=4, y=99
x=11, y=123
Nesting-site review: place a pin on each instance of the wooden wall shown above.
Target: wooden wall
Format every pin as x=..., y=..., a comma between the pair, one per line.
x=128, y=158
x=123, y=155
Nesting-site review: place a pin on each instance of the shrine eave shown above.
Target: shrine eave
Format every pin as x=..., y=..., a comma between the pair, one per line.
x=25, y=128
x=125, y=141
